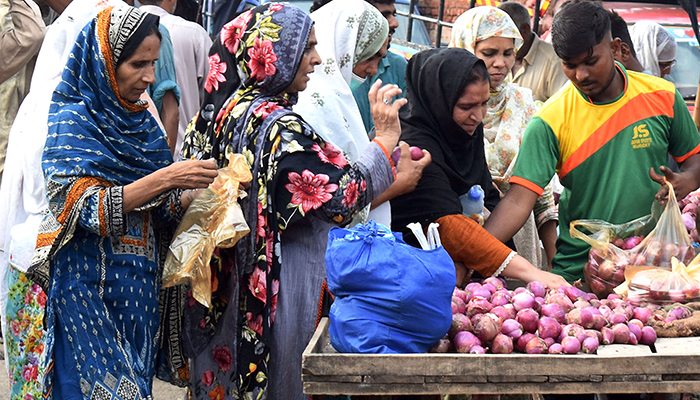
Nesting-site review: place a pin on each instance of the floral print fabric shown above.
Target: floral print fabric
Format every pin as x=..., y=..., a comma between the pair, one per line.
x=296, y=174
x=25, y=336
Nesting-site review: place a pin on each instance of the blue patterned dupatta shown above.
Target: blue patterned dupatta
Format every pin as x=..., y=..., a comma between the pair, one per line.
x=100, y=266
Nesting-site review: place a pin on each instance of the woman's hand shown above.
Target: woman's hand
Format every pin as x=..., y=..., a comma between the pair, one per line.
x=549, y=279
x=385, y=113
x=191, y=174
x=409, y=172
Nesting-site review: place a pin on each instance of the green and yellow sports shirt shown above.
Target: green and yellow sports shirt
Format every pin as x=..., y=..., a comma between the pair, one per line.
x=602, y=154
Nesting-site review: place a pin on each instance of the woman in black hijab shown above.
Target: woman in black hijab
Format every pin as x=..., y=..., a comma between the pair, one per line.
x=447, y=91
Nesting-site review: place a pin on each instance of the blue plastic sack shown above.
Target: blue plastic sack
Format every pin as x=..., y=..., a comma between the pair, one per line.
x=390, y=297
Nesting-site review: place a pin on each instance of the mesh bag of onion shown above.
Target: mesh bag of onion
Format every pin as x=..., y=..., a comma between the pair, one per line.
x=649, y=285
x=646, y=241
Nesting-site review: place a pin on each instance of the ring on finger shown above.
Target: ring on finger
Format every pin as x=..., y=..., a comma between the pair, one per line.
x=387, y=101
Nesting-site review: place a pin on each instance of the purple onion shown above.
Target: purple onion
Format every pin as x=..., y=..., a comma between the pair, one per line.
x=536, y=346
x=574, y=316
x=477, y=350
x=443, y=345
x=599, y=322
x=608, y=335
x=636, y=326
x=587, y=317
x=622, y=333
x=486, y=329
x=492, y=289
x=464, y=341
x=555, y=311
x=529, y=319
x=471, y=286
x=614, y=296
x=549, y=341
x=677, y=313
x=627, y=309
x=633, y=339
x=648, y=336
x=458, y=305
x=460, y=322
x=495, y=282
x=523, y=300
x=478, y=305
x=574, y=293
x=595, y=303
x=556, y=348
x=481, y=292
x=521, y=289
x=548, y=328
x=642, y=314
x=500, y=298
x=462, y=294
x=512, y=328
x=605, y=311
x=523, y=340
x=503, y=312
x=571, y=345
x=561, y=300
x=590, y=345
x=617, y=318
x=502, y=344
x=571, y=330
x=537, y=288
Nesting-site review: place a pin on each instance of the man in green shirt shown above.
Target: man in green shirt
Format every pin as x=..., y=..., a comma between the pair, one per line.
x=603, y=135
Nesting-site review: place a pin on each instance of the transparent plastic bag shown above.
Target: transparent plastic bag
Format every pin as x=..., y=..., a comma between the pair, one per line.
x=660, y=241
x=649, y=285
x=213, y=219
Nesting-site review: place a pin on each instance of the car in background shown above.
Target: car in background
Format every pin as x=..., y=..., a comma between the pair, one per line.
x=686, y=72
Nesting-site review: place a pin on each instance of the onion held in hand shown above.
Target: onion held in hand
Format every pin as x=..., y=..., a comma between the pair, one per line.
x=416, y=154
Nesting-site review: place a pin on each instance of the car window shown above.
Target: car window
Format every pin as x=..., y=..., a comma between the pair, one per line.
x=685, y=73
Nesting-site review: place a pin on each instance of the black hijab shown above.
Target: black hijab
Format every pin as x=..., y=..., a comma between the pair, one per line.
x=435, y=80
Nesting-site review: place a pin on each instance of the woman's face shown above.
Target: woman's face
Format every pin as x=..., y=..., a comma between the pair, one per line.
x=470, y=108
x=499, y=55
x=138, y=71
x=310, y=60
x=371, y=65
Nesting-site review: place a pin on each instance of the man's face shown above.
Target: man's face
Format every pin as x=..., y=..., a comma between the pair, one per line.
x=593, y=72
x=389, y=12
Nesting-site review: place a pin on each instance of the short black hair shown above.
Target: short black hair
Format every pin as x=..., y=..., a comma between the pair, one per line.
x=320, y=3
x=151, y=2
x=579, y=27
x=618, y=29
x=517, y=12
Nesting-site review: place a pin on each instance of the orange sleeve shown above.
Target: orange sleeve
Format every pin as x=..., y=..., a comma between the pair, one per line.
x=469, y=243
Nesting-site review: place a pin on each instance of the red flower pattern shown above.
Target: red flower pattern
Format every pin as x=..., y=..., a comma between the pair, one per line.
x=216, y=73
x=262, y=60
x=232, y=33
x=222, y=356
x=276, y=7
x=257, y=284
x=208, y=377
x=330, y=155
x=309, y=190
x=254, y=323
x=351, y=193
x=261, y=221
x=266, y=109
x=273, y=302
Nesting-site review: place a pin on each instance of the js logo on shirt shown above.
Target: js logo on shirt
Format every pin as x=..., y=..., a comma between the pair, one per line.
x=641, y=137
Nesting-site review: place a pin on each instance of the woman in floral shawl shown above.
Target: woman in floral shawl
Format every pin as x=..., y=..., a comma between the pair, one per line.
x=113, y=196
x=268, y=291
x=490, y=34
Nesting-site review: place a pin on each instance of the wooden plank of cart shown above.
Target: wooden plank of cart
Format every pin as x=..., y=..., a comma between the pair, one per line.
x=670, y=366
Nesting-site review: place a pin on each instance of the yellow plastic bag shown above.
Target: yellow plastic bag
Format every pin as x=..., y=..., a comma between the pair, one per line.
x=213, y=219
x=606, y=264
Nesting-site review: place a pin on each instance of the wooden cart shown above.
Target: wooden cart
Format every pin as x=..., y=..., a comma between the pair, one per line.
x=670, y=366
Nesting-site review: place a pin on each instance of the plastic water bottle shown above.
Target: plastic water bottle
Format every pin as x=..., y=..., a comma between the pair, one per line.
x=473, y=201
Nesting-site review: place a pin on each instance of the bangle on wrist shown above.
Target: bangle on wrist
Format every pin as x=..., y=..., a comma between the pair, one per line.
x=388, y=156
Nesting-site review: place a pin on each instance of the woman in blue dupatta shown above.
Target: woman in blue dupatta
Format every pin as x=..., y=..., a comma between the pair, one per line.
x=268, y=289
x=114, y=194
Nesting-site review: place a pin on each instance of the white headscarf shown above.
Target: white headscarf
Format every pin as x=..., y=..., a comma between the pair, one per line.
x=653, y=44
x=481, y=23
x=22, y=195
x=348, y=32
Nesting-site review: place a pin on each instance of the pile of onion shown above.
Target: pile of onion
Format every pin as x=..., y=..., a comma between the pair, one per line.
x=535, y=320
